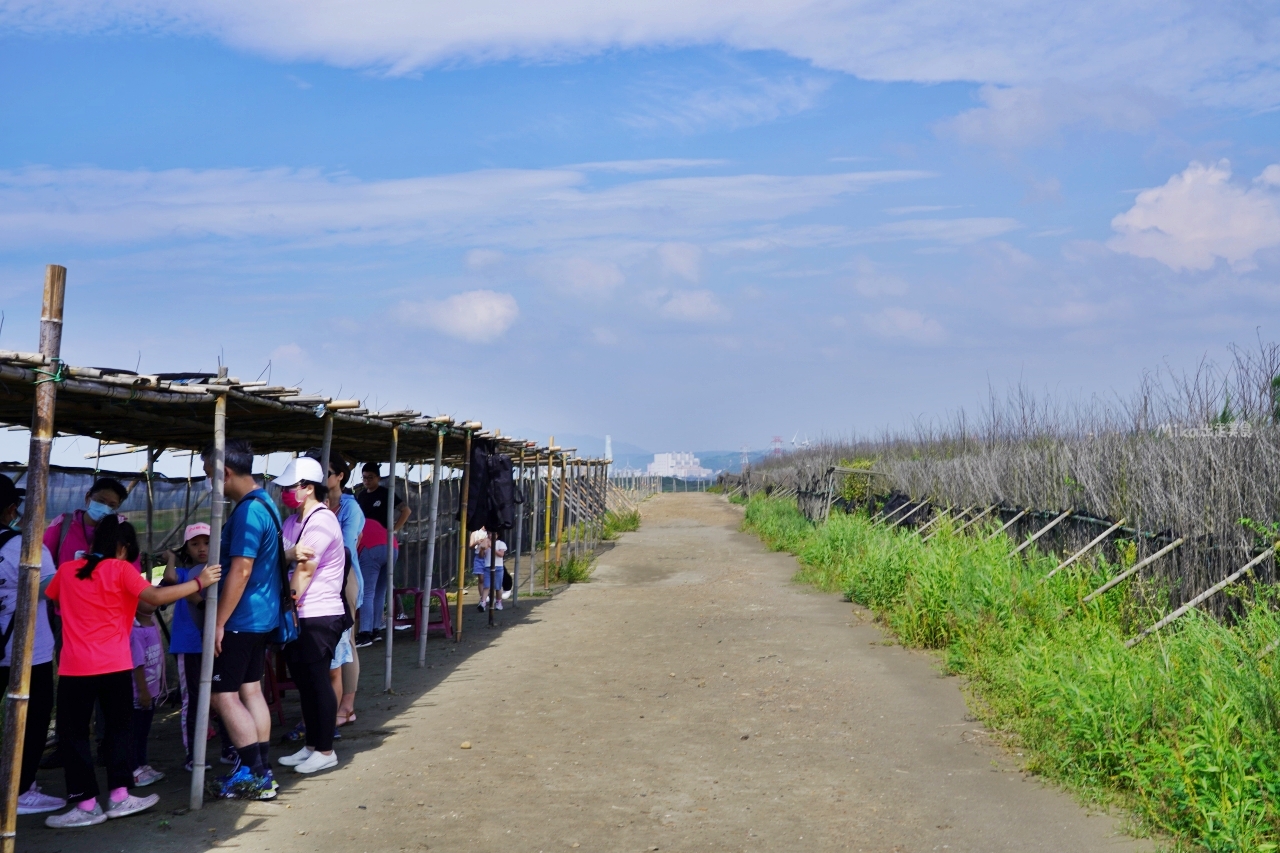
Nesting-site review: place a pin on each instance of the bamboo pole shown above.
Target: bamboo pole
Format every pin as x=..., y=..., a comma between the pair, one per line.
x=391, y=559
x=919, y=507
x=884, y=517
x=1042, y=531
x=976, y=519
x=534, y=491
x=462, y=536
x=326, y=445
x=151, y=513
x=937, y=516
x=546, y=539
x=1086, y=549
x=1202, y=597
x=961, y=514
x=1007, y=524
x=515, y=572
x=433, y=516
x=217, y=513
x=560, y=515
x=33, y=523
x=1136, y=567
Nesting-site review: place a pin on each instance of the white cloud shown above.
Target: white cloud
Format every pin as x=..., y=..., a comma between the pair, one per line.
x=869, y=281
x=578, y=276
x=1200, y=215
x=693, y=306
x=743, y=104
x=682, y=259
x=906, y=324
x=478, y=259
x=954, y=231
x=639, y=167
x=476, y=316
x=1013, y=117
x=289, y=354
x=507, y=208
x=1218, y=53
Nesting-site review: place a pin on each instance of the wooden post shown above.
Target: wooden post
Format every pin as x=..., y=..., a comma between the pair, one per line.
x=462, y=536
x=433, y=515
x=217, y=514
x=151, y=500
x=1086, y=549
x=1202, y=597
x=28, y=593
x=534, y=491
x=1042, y=531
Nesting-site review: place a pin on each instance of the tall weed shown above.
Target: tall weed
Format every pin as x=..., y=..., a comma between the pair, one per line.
x=1185, y=728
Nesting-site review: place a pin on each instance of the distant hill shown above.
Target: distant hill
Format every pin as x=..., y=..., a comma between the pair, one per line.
x=727, y=460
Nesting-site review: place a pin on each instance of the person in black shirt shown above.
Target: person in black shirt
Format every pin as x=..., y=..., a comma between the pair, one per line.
x=376, y=556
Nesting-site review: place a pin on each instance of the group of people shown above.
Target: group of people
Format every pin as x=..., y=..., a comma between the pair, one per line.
x=311, y=583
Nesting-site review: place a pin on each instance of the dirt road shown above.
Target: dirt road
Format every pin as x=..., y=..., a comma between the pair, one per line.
x=688, y=698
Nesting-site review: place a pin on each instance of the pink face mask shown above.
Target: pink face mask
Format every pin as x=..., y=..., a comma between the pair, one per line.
x=290, y=498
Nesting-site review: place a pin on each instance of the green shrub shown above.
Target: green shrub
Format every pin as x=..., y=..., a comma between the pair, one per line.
x=1185, y=727
x=626, y=521
x=574, y=569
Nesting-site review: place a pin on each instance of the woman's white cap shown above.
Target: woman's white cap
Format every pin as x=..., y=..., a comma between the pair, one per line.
x=302, y=468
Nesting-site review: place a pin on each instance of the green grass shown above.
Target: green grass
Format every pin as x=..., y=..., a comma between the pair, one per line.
x=626, y=521
x=576, y=569
x=1184, y=728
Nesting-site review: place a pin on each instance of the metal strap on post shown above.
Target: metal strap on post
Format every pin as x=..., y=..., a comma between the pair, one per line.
x=1202, y=597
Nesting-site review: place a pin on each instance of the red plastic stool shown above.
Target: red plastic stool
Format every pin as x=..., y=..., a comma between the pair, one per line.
x=277, y=682
x=414, y=617
x=444, y=624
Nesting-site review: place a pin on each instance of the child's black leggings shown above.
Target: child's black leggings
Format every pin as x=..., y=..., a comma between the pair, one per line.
x=76, y=696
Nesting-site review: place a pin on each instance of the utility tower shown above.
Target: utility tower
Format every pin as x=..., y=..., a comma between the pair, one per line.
x=777, y=445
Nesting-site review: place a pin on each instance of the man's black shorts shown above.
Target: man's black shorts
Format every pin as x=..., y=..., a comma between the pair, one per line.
x=241, y=661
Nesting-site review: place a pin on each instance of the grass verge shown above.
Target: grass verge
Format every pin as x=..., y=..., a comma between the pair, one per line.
x=1184, y=729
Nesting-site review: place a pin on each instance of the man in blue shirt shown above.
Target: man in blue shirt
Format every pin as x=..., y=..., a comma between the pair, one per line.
x=248, y=613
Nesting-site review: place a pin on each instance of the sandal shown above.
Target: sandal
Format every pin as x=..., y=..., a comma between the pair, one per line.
x=346, y=719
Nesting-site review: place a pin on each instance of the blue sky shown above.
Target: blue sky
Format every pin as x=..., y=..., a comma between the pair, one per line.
x=685, y=225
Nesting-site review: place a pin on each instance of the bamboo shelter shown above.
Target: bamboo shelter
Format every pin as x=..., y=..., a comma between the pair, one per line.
x=191, y=411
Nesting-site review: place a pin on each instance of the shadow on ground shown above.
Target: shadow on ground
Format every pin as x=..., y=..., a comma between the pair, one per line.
x=170, y=825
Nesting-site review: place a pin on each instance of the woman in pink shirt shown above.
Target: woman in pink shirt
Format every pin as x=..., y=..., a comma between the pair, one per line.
x=313, y=544
x=98, y=597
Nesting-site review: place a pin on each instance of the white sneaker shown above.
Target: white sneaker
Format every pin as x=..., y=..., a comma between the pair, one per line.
x=76, y=817
x=318, y=761
x=497, y=605
x=146, y=775
x=297, y=758
x=132, y=805
x=32, y=801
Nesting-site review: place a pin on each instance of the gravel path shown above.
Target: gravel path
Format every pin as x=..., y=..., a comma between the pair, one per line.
x=688, y=698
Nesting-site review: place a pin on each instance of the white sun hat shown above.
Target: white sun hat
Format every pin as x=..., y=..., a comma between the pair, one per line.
x=302, y=468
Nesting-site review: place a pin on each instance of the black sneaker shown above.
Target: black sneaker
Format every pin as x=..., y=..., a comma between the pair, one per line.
x=364, y=639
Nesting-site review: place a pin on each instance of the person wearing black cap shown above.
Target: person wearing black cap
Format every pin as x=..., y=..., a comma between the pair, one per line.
x=40, y=705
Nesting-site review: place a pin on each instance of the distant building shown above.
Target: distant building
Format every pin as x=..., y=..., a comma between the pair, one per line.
x=683, y=465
